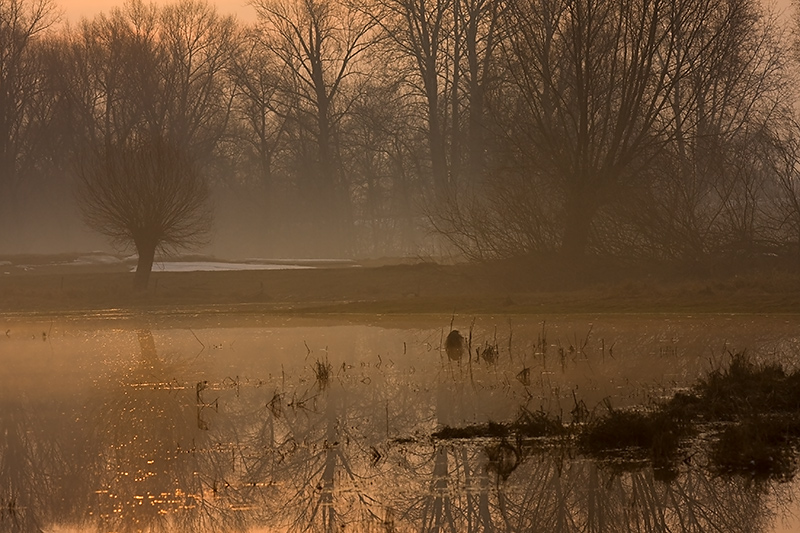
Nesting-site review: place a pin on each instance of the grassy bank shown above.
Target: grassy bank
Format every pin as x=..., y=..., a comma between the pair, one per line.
x=423, y=287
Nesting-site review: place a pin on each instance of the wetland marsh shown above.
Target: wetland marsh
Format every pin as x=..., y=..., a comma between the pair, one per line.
x=216, y=422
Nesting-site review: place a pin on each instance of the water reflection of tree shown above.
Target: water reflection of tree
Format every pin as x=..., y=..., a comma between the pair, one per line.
x=43, y=456
x=322, y=457
x=550, y=492
x=315, y=455
x=24, y=483
x=445, y=486
x=157, y=455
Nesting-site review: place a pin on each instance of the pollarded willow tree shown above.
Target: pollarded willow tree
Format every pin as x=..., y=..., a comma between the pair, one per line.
x=152, y=129
x=146, y=192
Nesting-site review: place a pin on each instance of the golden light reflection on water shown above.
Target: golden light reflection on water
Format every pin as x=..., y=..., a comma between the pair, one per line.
x=328, y=427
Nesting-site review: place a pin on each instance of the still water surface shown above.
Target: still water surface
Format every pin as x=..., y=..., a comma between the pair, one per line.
x=223, y=423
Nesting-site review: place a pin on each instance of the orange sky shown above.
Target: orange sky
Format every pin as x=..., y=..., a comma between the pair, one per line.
x=74, y=10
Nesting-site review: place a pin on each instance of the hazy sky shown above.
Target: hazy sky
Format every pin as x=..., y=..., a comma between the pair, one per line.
x=74, y=10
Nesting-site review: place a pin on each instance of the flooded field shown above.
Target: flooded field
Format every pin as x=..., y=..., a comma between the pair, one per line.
x=241, y=423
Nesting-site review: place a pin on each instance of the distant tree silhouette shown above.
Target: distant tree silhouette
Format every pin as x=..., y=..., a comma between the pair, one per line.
x=148, y=193
x=24, y=102
x=317, y=45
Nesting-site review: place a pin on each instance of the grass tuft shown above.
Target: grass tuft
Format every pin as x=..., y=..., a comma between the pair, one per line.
x=323, y=371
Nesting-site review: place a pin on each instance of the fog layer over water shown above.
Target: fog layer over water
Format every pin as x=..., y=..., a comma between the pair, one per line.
x=298, y=424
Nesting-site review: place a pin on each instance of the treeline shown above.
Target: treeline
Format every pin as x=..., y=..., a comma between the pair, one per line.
x=496, y=128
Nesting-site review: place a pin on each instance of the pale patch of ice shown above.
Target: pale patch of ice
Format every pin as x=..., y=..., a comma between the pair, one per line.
x=98, y=259
x=211, y=266
x=296, y=261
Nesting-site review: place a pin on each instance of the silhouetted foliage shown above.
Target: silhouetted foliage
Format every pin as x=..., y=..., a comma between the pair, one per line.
x=657, y=129
x=145, y=193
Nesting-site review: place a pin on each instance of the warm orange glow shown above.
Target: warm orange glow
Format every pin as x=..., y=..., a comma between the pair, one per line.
x=75, y=10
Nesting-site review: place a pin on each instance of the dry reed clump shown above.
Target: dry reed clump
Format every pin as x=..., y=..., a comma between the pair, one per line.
x=323, y=371
x=745, y=387
x=488, y=353
x=762, y=401
x=538, y=424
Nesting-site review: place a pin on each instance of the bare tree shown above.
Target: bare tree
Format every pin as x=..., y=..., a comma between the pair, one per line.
x=197, y=46
x=482, y=33
x=21, y=23
x=256, y=74
x=418, y=31
x=383, y=184
x=317, y=44
x=621, y=123
x=785, y=212
x=22, y=88
x=147, y=193
x=595, y=92
x=258, y=129
x=108, y=103
x=728, y=102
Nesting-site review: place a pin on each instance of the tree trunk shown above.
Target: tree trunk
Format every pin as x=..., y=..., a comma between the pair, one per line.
x=147, y=253
x=579, y=214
